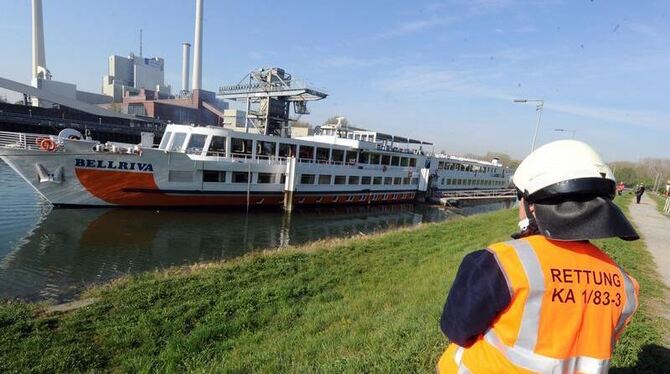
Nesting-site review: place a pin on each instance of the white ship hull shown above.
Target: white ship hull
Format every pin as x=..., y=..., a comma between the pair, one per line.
x=203, y=166
x=77, y=175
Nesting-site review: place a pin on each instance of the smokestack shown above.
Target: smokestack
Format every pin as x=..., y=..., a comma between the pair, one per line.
x=197, y=47
x=185, y=62
x=39, y=58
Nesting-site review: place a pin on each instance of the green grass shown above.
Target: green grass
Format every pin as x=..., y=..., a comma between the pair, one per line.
x=356, y=305
x=638, y=350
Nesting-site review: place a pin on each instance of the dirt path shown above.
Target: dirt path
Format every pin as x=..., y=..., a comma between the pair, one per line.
x=655, y=231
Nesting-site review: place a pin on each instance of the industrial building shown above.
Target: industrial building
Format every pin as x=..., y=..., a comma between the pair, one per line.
x=129, y=75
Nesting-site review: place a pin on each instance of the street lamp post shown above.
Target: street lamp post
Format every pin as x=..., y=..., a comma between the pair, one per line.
x=538, y=108
x=567, y=130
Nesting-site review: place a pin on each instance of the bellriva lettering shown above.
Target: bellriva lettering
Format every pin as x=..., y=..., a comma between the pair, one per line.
x=112, y=165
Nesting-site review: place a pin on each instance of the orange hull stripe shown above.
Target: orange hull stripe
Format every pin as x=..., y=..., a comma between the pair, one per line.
x=112, y=187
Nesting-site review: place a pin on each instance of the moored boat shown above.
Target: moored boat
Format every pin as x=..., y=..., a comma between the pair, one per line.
x=213, y=166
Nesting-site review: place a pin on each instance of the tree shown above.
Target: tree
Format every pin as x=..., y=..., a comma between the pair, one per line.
x=504, y=158
x=646, y=171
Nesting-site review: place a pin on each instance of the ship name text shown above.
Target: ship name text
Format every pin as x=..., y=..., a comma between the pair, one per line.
x=113, y=165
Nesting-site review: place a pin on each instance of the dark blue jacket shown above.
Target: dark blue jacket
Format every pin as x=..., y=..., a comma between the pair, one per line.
x=477, y=296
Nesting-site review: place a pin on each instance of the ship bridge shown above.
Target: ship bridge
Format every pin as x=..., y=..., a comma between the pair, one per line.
x=268, y=94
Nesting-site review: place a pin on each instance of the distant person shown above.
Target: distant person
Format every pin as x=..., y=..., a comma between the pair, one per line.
x=667, y=189
x=639, y=191
x=549, y=301
x=620, y=187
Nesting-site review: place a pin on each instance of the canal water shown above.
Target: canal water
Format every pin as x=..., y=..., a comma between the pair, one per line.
x=53, y=254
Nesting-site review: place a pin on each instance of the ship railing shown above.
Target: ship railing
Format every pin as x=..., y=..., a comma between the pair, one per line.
x=247, y=158
x=25, y=141
x=478, y=194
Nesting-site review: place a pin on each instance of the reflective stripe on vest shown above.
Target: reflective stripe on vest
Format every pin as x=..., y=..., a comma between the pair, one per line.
x=631, y=302
x=530, y=360
x=458, y=359
x=523, y=353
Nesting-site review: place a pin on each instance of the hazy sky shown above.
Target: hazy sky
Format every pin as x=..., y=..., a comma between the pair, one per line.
x=444, y=71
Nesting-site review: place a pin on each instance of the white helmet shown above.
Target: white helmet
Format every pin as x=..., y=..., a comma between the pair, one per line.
x=564, y=168
x=571, y=189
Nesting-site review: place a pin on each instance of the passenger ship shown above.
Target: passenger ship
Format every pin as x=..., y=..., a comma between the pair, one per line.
x=213, y=166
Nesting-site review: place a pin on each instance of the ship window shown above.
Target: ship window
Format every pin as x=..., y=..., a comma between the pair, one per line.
x=306, y=152
x=405, y=180
x=377, y=180
x=412, y=162
x=354, y=179
x=282, y=178
x=286, y=150
x=241, y=146
x=165, y=140
x=213, y=176
x=266, y=149
x=395, y=161
x=340, y=179
x=307, y=179
x=363, y=158
x=338, y=155
x=397, y=180
x=322, y=154
x=386, y=160
x=324, y=179
x=195, y=144
x=366, y=180
x=404, y=161
x=388, y=180
x=180, y=176
x=266, y=178
x=240, y=177
x=374, y=158
x=177, y=141
x=351, y=157
x=217, y=146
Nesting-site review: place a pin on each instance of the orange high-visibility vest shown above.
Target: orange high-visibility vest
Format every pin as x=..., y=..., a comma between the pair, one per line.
x=569, y=305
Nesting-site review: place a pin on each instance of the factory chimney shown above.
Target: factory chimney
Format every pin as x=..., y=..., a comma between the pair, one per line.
x=185, y=62
x=39, y=57
x=196, y=84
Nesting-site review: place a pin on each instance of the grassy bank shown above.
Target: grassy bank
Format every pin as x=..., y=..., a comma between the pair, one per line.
x=660, y=201
x=356, y=305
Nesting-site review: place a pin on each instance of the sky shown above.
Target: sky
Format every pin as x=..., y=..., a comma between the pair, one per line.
x=441, y=71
